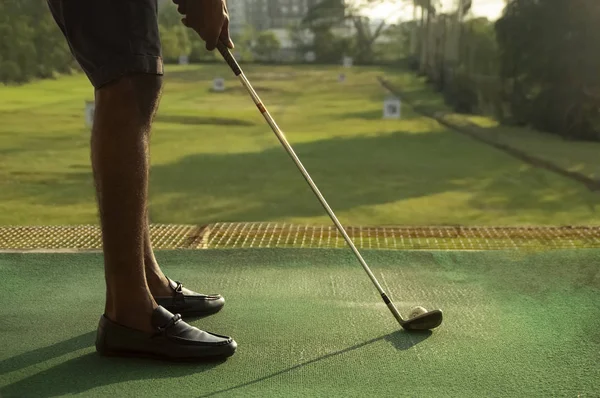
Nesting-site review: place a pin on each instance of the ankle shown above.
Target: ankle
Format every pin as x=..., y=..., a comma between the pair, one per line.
x=153, y=271
x=159, y=286
x=156, y=278
x=134, y=314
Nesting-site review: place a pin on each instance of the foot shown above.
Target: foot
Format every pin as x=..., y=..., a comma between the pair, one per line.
x=158, y=283
x=180, y=300
x=133, y=313
x=171, y=339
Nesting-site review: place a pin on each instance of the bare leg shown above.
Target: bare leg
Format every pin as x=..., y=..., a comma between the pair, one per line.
x=120, y=160
x=157, y=281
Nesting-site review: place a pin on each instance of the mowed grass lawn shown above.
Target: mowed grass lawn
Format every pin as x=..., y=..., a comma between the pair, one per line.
x=575, y=156
x=215, y=159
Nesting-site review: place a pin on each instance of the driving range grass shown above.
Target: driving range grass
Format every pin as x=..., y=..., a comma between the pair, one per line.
x=574, y=156
x=214, y=158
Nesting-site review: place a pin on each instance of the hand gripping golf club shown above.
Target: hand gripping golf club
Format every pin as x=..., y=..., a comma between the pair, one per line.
x=425, y=320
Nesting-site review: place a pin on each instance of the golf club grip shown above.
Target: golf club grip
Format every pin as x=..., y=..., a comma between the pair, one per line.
x=229, y=58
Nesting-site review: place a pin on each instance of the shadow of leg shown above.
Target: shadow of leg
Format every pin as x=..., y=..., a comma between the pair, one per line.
x=45, y=353
x=91, y=370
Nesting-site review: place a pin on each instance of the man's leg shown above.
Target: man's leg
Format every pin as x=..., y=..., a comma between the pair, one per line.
x=157, y=281
x=172, y=295
x=120, y=160
x=117, y=45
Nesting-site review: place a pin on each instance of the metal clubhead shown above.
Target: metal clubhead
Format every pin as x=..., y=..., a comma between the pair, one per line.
x=427, y=321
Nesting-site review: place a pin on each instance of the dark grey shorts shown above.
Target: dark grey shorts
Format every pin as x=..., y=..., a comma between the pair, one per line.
x=111, y=38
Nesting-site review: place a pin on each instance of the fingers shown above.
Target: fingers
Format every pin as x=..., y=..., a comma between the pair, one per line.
x=181, y=6
x=209, y=18
x=211, y=42
x=212, y=37
x=224, y=36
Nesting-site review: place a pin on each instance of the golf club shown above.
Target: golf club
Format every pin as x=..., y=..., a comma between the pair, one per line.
x=421, y=319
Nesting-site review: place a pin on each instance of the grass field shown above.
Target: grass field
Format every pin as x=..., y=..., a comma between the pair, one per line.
x=576, y=156
x=215, y=159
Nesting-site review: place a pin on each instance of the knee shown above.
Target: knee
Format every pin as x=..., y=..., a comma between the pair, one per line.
x=135, y=96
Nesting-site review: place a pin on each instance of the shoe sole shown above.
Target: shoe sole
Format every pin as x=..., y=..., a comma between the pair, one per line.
x=158, y=357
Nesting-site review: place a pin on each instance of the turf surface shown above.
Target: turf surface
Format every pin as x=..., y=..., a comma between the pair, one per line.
x=214, y=159
x=309, y=323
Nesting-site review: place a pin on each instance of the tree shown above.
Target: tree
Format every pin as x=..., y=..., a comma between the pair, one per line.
x=244, y=42
x=328, y=14
x=301, y=41
x=176, y=39
x=31, y=44
x=428, y=12
x=267, y=45
x=397, y=45
x=550, y=63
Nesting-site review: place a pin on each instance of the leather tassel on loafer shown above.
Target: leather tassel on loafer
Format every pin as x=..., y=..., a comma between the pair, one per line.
x=188, y=303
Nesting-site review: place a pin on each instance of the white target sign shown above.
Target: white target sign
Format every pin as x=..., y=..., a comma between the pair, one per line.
x=90, y=107
x=219, y=84
x=391, y=108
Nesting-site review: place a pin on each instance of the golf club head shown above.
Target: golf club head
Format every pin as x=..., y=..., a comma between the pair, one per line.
x=427, y=321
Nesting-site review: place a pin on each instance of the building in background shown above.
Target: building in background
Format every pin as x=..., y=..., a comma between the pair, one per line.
x=267, y=14
x=271, y=15
x=264, y=14
x=237, y=15
x=282, y=13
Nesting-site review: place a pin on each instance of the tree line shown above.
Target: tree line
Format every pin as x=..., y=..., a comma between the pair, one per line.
x=323, y=31
x=32, y=46
x=537, y=65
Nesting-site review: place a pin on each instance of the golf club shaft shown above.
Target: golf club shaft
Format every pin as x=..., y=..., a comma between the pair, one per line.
x=240, y=74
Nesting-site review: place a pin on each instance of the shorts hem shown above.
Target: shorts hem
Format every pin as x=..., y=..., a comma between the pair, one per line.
x=106, y=74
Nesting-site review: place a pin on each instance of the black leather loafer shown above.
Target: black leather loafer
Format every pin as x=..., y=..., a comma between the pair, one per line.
x=189, y=303
x=173, y=340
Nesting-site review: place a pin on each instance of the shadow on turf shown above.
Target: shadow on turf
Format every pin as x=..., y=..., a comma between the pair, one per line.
x=353, y=173
x=87, y=371
x=90, y=370
x=220, y=121
x=45, y=353
x=367, y=115
x=401, y=340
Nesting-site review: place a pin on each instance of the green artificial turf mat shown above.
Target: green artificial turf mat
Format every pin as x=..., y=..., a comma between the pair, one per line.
x=310, y=323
